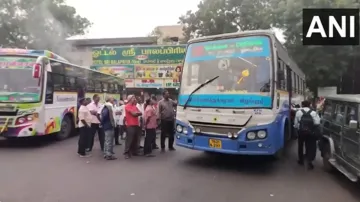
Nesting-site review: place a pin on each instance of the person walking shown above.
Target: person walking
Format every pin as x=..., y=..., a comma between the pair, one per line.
x=150, y=127
x=133, y=130
x=166, y=114
x=108, y=124
x=95, y=108
x=84, y=126
x=307, y=122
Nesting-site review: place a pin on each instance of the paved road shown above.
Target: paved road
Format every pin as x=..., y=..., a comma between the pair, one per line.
x=51, y=172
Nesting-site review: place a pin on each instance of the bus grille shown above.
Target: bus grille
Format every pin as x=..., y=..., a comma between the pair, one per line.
x=4, y=121
x=7, y=108
x=217, y=129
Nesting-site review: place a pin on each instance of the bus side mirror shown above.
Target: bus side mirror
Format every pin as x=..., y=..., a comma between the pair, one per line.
x=36, y=71
x=353, y=124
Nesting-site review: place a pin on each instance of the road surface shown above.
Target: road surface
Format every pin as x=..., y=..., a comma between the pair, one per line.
x=52, y=172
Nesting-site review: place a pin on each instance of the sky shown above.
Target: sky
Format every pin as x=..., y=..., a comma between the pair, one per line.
x=130, y=18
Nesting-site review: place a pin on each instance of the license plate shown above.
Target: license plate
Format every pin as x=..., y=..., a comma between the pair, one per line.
x=215, y=144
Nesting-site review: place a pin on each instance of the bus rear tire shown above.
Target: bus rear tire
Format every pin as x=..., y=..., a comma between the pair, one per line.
x=67, y=128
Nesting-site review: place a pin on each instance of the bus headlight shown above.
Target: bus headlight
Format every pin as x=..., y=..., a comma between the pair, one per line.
x=251, y=135
x=230, y=135
x=261, y=134
x=185, y=130
x=179, y=128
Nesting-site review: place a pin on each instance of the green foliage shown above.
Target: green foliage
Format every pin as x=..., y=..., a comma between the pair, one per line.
x=323, y=65
x=39, y=24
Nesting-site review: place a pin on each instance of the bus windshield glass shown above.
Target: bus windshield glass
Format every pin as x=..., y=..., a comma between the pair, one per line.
x=16, y=82
x=243, y=66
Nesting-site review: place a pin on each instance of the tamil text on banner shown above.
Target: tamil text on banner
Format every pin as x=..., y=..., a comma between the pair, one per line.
x=149, y=83
x=170, y=83
x=158, y=72
x=139, y=55
x=129, y=83
x=122, y=71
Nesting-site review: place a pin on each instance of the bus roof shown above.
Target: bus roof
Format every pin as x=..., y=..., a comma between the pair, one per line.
x=231, y=35
x=37, y=53
x=344, y=97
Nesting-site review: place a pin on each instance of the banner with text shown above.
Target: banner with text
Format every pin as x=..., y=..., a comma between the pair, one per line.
x=149, y=83
x=122, y=71
x=139, y=55
x=169, y=72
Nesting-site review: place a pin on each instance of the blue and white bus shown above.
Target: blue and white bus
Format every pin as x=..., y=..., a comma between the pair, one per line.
x=236, y=94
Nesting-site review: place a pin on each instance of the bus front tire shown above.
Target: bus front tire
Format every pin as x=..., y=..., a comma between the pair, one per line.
x=67, y=128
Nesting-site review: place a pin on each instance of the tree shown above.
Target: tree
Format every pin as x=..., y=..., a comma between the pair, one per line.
x=226, y=16
x=39, y=24
x=323, y=65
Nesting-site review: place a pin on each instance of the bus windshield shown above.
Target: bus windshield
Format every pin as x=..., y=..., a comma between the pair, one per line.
x=16, y=81
x=243, y=66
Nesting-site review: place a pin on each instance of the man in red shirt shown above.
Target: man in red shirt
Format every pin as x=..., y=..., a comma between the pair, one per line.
x=133, y=130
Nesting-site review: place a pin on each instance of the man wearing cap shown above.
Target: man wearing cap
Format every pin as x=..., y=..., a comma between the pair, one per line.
x=133, y=130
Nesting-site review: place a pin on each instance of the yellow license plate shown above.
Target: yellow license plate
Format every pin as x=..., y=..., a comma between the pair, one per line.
x=215, y=144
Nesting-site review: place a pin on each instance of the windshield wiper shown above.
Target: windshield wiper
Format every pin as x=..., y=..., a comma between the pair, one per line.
x=198, y=88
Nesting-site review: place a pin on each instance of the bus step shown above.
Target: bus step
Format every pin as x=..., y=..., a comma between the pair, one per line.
x=343, y=170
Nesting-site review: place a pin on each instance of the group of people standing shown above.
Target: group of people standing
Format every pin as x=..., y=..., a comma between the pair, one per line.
x=131, y=117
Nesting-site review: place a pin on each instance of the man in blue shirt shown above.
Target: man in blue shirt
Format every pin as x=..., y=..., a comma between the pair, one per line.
x=108, y=125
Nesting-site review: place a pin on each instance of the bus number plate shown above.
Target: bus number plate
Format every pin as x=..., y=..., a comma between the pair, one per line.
x=215, y=144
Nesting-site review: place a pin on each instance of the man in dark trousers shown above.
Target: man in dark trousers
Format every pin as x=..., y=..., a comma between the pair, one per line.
x=306, y=122
x=133, y=130
x=166, y=114
x=95, y=108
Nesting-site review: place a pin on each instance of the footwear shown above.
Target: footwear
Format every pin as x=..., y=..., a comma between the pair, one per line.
x=156, y=147
x=110, y=158
x=300, y=162
x=172, y=149
x=149, y=155
x=310, y=166
x=141, y=147
x=162, y=149
x=84, y=156
x=118, y=143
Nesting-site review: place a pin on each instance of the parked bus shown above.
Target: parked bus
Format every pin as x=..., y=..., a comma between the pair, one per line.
x=236, y=94
x=39, y=93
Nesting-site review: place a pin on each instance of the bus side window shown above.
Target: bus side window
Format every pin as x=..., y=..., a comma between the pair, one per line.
x=70, y=83
x=98, y=87
x=105, y=87
x=49, y=93
x=90, y=86
x=59, y=82
x=281, y=84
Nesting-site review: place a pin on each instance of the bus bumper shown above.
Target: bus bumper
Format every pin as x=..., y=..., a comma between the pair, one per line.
x=236, y=146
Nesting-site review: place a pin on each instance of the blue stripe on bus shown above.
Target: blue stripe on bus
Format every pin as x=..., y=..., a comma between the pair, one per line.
x=264, y=53
x=226, y=100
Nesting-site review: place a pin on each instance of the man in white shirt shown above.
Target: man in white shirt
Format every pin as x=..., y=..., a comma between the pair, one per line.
x=140, y=106
x=306, y=122
x=119, y=119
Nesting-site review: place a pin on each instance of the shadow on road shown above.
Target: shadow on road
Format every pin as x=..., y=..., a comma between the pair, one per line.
x=345, y=183
x=245, y=164
x=27, y=142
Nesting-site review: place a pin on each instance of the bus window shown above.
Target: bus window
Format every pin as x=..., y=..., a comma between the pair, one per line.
x=105, y=87
x=339, y=114
x=280, y=75
x=90, y=86
x=351, y=114
x=49, y=92
x=70, y=83
x=98, y=87
x=59, y=82
x=116, y=89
